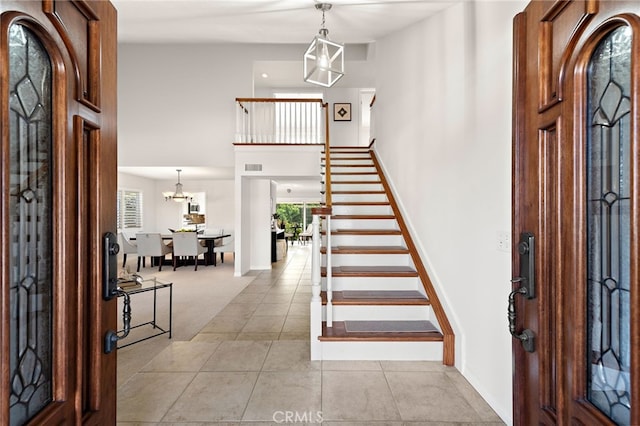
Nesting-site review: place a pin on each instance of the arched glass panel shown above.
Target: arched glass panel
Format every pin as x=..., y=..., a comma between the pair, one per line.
x=608, y=226
x=30, y=219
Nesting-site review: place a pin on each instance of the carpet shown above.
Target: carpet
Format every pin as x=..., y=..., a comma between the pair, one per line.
x=389, y=327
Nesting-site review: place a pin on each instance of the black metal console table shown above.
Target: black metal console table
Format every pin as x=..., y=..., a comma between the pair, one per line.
x=151, y=284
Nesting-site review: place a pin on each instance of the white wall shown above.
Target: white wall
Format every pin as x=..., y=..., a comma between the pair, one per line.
x=176, y=102
x=259, y=225
x=341, y=132
x=159, y=215
x=344, y=133
x=254, y=193
x=149, y=200
x=443, y=129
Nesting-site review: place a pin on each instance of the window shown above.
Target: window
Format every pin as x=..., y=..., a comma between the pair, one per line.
x=129, y=209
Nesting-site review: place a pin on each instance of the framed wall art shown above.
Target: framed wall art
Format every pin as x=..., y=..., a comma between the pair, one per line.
x=341, y=112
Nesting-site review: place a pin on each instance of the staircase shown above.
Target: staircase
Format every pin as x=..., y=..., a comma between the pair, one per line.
x=383, y=305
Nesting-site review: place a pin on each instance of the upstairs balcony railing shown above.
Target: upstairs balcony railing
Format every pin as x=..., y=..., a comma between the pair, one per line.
x=280, y=121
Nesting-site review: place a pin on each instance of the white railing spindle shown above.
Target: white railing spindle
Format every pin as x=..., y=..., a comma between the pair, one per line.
x=316, y=300
x=329, y=273
x=279, y=121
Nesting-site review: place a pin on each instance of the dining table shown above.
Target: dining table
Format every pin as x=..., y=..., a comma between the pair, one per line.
x=209, y=240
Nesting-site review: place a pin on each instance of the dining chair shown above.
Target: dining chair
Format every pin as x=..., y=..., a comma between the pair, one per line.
x=126, y=247
x=228, y=246
x=150, y=244
x=187, y=244
x=308, y=233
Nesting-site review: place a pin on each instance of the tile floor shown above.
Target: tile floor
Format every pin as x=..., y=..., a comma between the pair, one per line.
x=250, y=366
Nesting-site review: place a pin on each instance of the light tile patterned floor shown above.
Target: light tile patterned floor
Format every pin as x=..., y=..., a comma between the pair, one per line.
x=250, y=366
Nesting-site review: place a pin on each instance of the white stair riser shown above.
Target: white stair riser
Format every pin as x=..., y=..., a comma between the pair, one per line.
x=350, y=166
x=369, y=168
x=369, y=260
x=379, y=351
x=342, y=154
x=372, y=283
x=355, y=187
x=363, y=209
x=379, y=313
x=338, y=178
x=357, y=197
x=363, y=224
x=353, y=158
x=364, y=240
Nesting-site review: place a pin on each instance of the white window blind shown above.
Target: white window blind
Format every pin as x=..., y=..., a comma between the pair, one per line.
x=129, y=209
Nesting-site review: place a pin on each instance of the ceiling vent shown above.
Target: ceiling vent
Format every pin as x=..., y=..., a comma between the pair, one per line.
x=253, y=167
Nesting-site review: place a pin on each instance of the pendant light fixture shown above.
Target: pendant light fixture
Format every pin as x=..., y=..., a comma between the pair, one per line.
x=324, y=59
x=178, y=196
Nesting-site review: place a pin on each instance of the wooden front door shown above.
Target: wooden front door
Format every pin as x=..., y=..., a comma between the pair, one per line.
x=58, y=198
x=576, y=175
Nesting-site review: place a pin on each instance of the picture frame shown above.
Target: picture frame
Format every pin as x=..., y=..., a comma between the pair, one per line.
x=341, y=112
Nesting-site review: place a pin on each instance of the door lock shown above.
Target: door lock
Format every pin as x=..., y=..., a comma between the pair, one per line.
x=110, y=289
x=526, y=287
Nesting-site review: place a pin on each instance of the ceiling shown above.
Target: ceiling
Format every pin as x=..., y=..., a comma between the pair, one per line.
x=261, y=21
x=265, y=21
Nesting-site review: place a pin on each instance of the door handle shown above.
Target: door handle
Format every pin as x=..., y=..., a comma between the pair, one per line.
x=110, y=289
x=526, y=287
x=110, y=250
x=111, y=338
x=527, y=252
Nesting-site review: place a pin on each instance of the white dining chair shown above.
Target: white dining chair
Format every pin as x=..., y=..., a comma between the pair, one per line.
x=228, y=246
x=186, y=244
x=308, y=233
x=126, y=247
x=150, y=244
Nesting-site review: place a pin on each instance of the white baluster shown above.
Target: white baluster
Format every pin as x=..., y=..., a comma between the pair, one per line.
x=316, y=300
x=329, y=280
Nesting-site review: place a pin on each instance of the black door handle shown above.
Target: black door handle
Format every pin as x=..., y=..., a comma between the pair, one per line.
x=526, y=287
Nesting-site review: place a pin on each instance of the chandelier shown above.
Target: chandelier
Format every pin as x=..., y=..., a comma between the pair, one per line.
x=178, y=196
x=324, y=59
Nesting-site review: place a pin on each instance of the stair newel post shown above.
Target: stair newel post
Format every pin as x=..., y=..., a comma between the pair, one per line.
x=316, y=300
x=329, y=280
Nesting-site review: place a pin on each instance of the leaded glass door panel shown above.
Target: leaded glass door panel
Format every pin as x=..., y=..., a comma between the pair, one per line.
x=58, y=155
x=575, y=187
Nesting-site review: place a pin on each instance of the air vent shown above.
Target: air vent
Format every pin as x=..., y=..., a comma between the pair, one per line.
x=253, y=167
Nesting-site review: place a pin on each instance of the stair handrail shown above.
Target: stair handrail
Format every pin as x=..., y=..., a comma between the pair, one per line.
x=327, y=158
x=316, y=257
x=448, y=356
x=327, y=221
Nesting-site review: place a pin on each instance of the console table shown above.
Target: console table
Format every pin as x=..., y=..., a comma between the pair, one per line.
x=153, y=285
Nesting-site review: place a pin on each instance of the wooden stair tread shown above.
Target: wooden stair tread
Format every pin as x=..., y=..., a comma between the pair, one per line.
x=349, y=157
x=339, y=333
x=356, y=182
x=363, y=232
x=350, y=149
x=366, y=250
x=356, y=192
x=373, y=297
x=346, y=152
x=363, y=216
x=360, y=203
x=354, y=173
x=370, y=271
x=351, y=165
